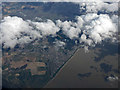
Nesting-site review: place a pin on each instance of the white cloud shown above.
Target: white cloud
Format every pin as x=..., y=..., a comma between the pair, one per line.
x=46, y=28
x=112, y=78
x=69, y=29
x=59, y=43
x=109, y=7
x=14, y=30
x=98, y=5
x=85, y=40
x=95, y=28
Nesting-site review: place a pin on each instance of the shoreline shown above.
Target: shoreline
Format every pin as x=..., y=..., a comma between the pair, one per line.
x=62, y=67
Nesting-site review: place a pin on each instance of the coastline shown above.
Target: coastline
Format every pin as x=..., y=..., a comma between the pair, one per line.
x=79, y=64
x=62, y=67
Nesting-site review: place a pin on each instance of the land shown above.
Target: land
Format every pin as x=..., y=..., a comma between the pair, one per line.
x=33, y=65
x=81, y=71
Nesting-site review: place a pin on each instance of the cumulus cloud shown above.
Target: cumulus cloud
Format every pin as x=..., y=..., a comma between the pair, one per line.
x=92, y=27
x=85, y=40
x=14, y=30
x=59, y=43
x=112, y=78
x=99, y=5
x=97, y=28
x=69, y=29
x=46, y=28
